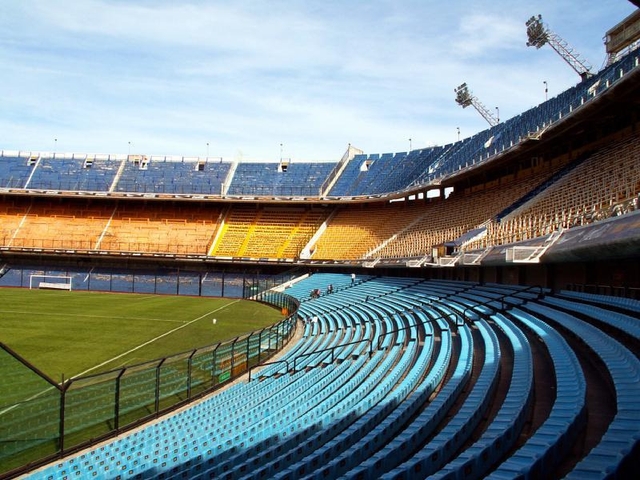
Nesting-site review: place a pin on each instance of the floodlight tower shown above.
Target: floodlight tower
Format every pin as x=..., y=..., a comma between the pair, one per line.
x=464, y=98
x=539, y=35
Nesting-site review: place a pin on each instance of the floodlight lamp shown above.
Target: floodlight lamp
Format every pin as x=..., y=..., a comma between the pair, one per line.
x=536, y=32
x=463, y=97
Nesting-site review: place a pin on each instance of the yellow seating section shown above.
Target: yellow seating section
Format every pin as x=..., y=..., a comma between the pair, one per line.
x=356, y=231
x=266, y=233
x=586, y=194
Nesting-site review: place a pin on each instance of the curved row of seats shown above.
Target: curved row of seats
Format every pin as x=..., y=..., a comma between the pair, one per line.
x=622, y=437
x=556, y=435
x=405, y=378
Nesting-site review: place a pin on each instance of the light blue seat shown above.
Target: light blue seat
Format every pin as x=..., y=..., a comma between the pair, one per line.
x=621, y=439
x=398, y=450
x=619, y=321
x=622, y=302
x=503, y=431
x=542, y=451
x=349, y=417
x=390, y=426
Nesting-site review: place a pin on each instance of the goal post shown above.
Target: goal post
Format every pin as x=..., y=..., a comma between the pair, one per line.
x=53, y=282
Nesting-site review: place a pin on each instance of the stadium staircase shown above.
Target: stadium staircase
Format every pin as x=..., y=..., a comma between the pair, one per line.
x=522, y=202
x=116, y=179
x=34, y=161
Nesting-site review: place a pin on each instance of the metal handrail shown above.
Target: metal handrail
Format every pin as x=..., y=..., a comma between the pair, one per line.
x=406, y=327
x=332, y=350
x=267, y=363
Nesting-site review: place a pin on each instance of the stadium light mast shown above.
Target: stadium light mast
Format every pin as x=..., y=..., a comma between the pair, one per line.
x=539, y=35
x=464, y=98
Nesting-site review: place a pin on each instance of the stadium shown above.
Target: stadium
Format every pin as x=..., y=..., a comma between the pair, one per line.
x=465, y=310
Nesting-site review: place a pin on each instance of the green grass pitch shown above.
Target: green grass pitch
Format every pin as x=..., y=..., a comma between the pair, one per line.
x=75, y=333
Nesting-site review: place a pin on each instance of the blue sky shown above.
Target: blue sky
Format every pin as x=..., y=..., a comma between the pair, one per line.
x=257, y=78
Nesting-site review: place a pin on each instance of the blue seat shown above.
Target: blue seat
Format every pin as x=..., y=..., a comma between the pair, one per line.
x=389, y=458
x=539, y=456
x=503, y=431
x=623, y=434
x=629, y=304
x=383, y=415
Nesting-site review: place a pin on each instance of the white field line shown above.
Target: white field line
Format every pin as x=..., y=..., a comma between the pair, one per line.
x=154, y=339
x=84, y=315
x=33, y=397
x=143, y=298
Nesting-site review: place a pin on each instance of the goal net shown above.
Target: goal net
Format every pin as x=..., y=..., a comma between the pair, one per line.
x=54, y=282
x=523, y=254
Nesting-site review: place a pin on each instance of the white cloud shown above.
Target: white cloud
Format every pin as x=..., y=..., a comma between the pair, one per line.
x=173, y=76
x=482, y=35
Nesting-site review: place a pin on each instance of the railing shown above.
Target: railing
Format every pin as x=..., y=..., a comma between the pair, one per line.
x=89, y=245
x=210, y=283
x=261, y=365
x=331, y=351
x=501, y=299
x=336, y=170
x=600, y=289
x=270, y=191
x=407, y=327
x=254, y=287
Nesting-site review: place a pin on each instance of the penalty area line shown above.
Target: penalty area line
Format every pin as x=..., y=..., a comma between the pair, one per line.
x=154, y=339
